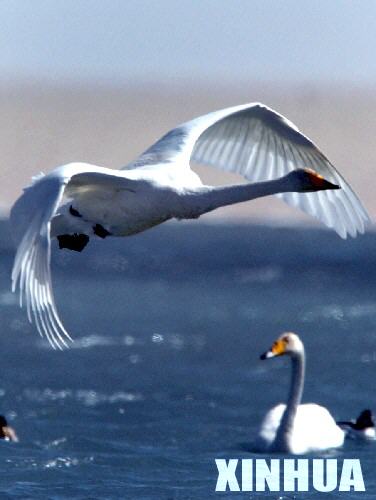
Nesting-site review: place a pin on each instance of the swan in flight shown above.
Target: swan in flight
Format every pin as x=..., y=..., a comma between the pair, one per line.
x=77, y=201
x=296, y=428
x=362, y=428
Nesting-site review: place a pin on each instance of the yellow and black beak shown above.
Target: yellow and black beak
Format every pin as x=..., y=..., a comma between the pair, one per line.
x=277, y=349
x=318, y=182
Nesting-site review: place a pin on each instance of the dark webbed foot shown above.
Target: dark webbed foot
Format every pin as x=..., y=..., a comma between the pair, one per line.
x=101, y=231
x=74, y=212
x=76, y=242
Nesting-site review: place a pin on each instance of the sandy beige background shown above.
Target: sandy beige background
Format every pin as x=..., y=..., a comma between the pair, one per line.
x=44, y=126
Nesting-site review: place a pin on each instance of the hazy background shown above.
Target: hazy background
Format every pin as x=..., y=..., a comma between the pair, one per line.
x=98, y=81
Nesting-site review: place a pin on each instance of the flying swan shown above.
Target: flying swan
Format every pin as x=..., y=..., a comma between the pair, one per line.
x=77, y=201
x=296, y=428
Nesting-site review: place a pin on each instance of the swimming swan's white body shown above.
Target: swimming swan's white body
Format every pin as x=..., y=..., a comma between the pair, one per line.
x=297, y=428
x=77, y=201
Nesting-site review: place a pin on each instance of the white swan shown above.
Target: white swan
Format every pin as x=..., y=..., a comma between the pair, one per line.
x=296, y=428
x=78, y=200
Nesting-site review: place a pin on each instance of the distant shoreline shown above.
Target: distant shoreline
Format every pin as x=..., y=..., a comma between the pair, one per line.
x=45, y=124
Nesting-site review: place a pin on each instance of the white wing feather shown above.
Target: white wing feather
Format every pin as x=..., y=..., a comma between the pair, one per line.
x=314, y=429
x=31, y=220
x=260, y=144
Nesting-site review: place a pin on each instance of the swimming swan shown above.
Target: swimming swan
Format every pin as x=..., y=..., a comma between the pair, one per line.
x=78, y=200
x=296, y=428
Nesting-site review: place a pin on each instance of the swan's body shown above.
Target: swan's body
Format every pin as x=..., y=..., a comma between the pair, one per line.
x=363, y=428
x=297, y=428
x=77, y=201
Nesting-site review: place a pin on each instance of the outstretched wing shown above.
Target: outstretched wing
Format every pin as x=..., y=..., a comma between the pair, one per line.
x=260, y=144
x=31, y=218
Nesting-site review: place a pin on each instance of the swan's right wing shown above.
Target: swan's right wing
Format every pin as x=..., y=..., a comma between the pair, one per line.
x=316, y=429
x=31, y=218
x=260, y=144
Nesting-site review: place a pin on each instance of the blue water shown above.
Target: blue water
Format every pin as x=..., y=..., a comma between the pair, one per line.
x=164, y=375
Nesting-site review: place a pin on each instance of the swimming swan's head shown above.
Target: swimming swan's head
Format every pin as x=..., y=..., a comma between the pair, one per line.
x=287, y=343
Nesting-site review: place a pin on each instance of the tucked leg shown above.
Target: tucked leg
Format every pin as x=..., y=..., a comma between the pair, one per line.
x=76, y=242
x=101, y=231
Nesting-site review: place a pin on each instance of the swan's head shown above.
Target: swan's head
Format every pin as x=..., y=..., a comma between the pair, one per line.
x=288, y=343
x=305, y=180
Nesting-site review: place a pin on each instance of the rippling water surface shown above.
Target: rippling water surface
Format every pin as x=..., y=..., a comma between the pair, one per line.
x=164, y=375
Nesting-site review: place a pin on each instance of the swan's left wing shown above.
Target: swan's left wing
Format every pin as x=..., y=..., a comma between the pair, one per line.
x=31, y=221
x=31, y=218
x=260, y=144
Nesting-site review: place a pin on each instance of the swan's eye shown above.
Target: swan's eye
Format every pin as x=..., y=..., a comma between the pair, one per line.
x=285, y=340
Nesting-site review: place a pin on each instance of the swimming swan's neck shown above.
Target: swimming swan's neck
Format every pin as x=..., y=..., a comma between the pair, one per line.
x=284, y=432
x=208, y=198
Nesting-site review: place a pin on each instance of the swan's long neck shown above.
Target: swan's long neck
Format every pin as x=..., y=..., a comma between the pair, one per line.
x=295, y=396
x=206, y=199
